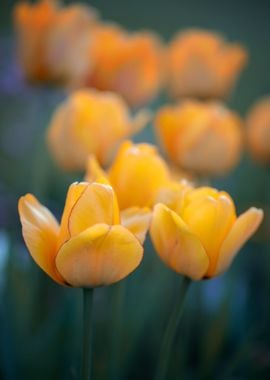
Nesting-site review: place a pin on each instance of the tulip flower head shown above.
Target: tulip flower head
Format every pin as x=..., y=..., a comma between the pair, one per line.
x=53, y=41
x=90, y=122
x=94, y=245
x=203, y=138
x=137, y=173
x=129, y=64
x=202, y=64
x=258, y=130
x=200, y=238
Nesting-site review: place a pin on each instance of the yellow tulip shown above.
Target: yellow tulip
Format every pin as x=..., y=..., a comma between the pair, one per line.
x=90, y=122
x=94, y=245
x=204, y=138
x=201, y=238
x=258, y=130
x=202, y=64
x=131, y=64
x=136, y=174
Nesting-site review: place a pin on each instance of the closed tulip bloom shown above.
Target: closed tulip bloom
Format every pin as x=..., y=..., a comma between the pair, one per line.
x=258, y=130
x=93, y=245
x=202, y=64
x=130, y=64
x=204, y=138
x=201, y=239
x=33, y=23
x=53, y=41
x=68, y=40
x=137, y=173
x=90, y=122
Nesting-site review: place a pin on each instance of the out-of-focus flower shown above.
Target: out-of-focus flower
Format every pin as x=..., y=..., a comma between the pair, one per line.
x=33, y=23
x=92, y=246
x=137, y=174
x=204, y=138
x=258, y=130
x=130, y=64
x=90, y=122
x=53, y=42
x=202, y=64
x=68, y=43
x=201, y=238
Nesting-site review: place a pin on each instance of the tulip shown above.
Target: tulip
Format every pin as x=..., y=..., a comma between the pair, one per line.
x=90, y=122
x=202, y=64
x=201, y=238
x=258, y=130
x=130, y=64
x=137, y=174
x=53, y=41
x=204, y=138
x=93, y=245
x=32, y=23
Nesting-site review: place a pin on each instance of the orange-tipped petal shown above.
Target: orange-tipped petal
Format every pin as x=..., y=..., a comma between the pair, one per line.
x=180, y=249
x=137, y=221
x=100, y=255
x=40, y=231
x=244, y=227
x=96, y=205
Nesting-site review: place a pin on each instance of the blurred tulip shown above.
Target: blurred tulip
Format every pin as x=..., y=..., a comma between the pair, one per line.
x=137, y=174
x=202, y=64
x=32, y=23
x=201, y=238
x=258, y=130
x=90, y=122
x=92, y=246
x=130, y=64
x=204, y=138
x=53, y=42
x=68, y=43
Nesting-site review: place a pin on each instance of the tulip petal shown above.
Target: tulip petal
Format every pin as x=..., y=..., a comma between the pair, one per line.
x=176, y=245
x=244, y=227
x=94, y=173
x=74, y=192
x=97, y=204
x=40, y=231
x=100, y=255
x=137, y=221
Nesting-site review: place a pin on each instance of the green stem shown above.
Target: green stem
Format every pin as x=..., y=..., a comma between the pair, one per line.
x=87, y=333
x=168, y=339
x=118, y=298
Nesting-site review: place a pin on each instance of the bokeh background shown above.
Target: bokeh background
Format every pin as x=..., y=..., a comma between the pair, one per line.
x=225, y=332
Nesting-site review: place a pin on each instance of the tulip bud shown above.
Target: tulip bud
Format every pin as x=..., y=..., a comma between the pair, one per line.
x=202, y=64
x=204, y=138
x=258, y=130
x=90, y=122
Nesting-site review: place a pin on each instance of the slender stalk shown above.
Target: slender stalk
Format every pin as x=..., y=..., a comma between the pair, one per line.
x=118, y=298
x=87, y=333
x=170, y=332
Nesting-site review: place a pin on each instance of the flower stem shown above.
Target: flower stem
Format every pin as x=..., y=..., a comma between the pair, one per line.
x=87, y=333
x=170, y=332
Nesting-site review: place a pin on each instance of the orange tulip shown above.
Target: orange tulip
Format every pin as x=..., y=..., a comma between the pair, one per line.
x=200, y=238
x=258, y=130
x=32, y=23
x=129, y=64
x=90, y=122
x=204, y=138
x=53, y=42
x=94, y=245
x=202, y=64
x=137, y=174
